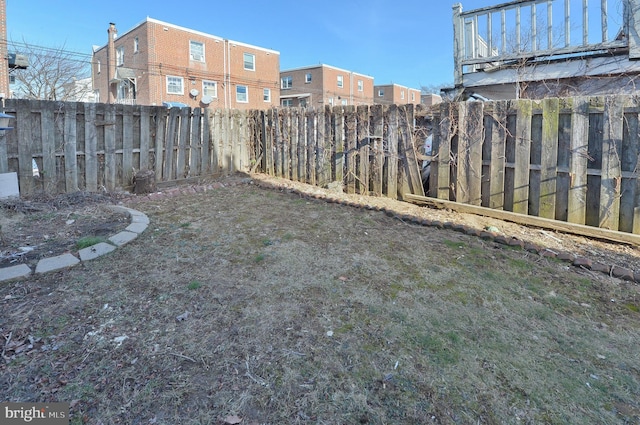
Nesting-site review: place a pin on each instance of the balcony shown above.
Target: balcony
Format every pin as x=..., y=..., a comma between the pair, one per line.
x=506, y=51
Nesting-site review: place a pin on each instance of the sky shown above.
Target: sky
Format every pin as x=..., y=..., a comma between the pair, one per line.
x=406, y=42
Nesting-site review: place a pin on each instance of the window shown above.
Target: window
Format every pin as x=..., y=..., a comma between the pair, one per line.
x=196, y=51
x=249, y=62
x=381, y=93
x=413, y=96
x=307, y=78
x=344, y=102
x=287, y=102
x=120, y=56
x=402, y=95
x=210, y=88
x=136, y=45
x=340, y=81
x=242, y=93
x=266, y=95
x=98, y=65
x=303, y=103
x=360, y=85
x=331, y=101
x=175, y=85
x=286, y=83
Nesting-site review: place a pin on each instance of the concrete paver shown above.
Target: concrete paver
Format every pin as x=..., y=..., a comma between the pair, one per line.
x=56, y=263
x=14, y=272
x=95, y=251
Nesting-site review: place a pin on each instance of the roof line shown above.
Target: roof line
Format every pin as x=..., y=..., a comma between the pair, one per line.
x=192, y=31
x=327, y=66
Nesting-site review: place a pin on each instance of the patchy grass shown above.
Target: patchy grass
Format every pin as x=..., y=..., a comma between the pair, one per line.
x=355, y=318
x=87, y=241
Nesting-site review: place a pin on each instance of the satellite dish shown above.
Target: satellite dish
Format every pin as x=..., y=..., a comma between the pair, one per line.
x=206, y=100
x=194, y=92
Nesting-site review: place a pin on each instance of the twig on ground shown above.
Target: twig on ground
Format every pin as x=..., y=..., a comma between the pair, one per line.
x=183, y=357
x=7, y=340
x=257, y=380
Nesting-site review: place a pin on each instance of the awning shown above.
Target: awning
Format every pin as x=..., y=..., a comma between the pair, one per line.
x=124, y=74
x=299, y=96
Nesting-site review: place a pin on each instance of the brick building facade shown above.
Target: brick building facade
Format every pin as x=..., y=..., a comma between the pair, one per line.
x=157, y=62
x=324, y=85
x=388, y=94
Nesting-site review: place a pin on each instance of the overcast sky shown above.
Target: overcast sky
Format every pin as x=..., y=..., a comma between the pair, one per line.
x=408, y=42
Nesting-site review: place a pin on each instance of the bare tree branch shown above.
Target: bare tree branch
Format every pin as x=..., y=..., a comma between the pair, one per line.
x=50, y=74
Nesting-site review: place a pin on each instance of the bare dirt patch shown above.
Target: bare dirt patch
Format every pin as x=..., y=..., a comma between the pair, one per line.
x=273, y=307
x=43, y=226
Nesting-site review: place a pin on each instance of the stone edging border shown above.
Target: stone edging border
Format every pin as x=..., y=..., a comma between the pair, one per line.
x=138, y=224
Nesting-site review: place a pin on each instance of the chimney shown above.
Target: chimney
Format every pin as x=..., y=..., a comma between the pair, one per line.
x=111, y=60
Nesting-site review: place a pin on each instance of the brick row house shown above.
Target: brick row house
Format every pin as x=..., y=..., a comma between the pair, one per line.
x=387, y=94
x=324, y=85
x=158, y=63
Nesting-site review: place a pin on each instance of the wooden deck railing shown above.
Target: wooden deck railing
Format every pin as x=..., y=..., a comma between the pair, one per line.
x=519, y=31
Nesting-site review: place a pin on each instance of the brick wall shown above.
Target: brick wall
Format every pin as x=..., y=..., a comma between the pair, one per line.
x=323, y=88
x=164, y=50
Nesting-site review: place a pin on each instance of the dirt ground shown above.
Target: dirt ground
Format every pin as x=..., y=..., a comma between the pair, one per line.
x=45, y=226
x=253, y=302
x=37, y=227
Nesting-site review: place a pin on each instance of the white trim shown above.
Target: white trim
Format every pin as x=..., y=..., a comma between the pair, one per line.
x=244, y=62
x=325, y=66
x=299, y=95
x=181, y=84
x=177, y=27
x=246, y=93
x=215, y=83
x=266, y=90
x=191, y=56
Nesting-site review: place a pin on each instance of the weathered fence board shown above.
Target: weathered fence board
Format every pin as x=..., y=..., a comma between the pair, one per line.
x=497, y=137
x=469, y=165
x=611, y=172
x=577, y=205
x=571, y=159
x=574, y=159
x=90, y=147
x=549, y=158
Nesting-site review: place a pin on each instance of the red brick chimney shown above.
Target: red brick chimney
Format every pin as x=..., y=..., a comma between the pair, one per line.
x=111, y=60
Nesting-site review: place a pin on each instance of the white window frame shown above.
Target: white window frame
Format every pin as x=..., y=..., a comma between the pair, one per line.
x=413, y=97
x=136, y=45
x=340, y=81
x=208, y=86
x=381, y=93
x=289, y=84
x=120, y=56
x=196, y=56
x=308, y=77
x=252, y=61
x=402, y=94
x=344, y=102
x=266, y=94
x=287, y=102
x=246, y=94
x=360, y=85
x=331, y=101
x=174, y=79
x=99, y=67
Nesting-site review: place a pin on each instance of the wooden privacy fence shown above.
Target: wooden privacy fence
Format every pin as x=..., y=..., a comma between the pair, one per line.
x=365, y=149
x=93, y=146
x=573, y=159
